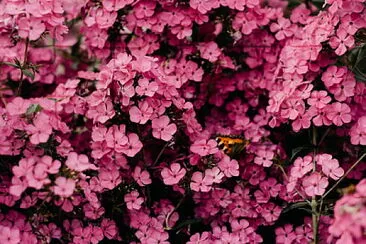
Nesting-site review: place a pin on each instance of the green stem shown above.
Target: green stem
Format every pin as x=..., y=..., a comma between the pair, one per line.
x=160, y=153
x=167, y=227
x=314, y=204
x=23, y=65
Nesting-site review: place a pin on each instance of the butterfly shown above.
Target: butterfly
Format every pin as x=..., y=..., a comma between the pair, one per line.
x=231, y=145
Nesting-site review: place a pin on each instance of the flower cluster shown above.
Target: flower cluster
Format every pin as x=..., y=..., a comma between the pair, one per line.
x=109, y=111
x=348, y=213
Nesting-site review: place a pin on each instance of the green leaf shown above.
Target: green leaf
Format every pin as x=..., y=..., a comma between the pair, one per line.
x=29, y=73
x=297, y=205
x=11, y=64
x=32, y=109
x=297, y=150
x=186, y=222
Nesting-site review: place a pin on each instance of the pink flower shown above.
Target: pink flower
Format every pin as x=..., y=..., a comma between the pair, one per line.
x=109, y=179
x=264, y=158
x=40, y=130
x=200, y=183
x=339, y=113
x=79, y=162
x=96, y=234
x=271, y=212
x=142, y=177
x=30, y=28
x=319, y=99
x=9, y=235
x=344, y=89
x=330, y=166
x=285, y=234
x=109, y=228
x=53, y=166
x=203, y=147
x=315, y=184
x=162, y=129
x=146, y=88
x=173, y=175
x=210, y=51
x=203, y=5
x=215, y=174
x=230, y=167
x=302, y=166
x=199, y=239
x=133, y=201
x=142, y=113
x=134, y=145
x=341, y=41
x=64, y=187
x=144, y=9
x=114, y=5
x=17, y=106
x=333, y=75
x=282, y=28
x=358, y=132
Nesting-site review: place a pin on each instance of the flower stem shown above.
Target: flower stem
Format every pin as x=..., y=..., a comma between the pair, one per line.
x=23, y=65
x=314, y=203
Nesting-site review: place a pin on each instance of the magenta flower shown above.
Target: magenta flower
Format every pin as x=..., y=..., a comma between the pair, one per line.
x=109, y=179
x=319, y=99
x=204, y=147
x=281, y=28
x=173, y=175
x=230, y=167
x=302, y=166
x=146, y=88
x=133, y=201
x=315, y=184
x=162, y=129
x=40, y=130
x=109, y=228
x=197, y=238
x=52, y=166
x=341, y=41
x=203, y=5
x=339, y=113
x=79, y=162
x=17, y=106
x=358, y=132
x=200, y=183
x=64, y=187
x=9, y=235
x=215, y=174
x=210, y=51
x=264, y=158
x=114, y=5
x=142, y=113
x=330, y=166
x=344, y=89
x=134, y=145
x=333, y=75
x=285, y=235
x=271, y=212
x=142, y=177
x=30, y=28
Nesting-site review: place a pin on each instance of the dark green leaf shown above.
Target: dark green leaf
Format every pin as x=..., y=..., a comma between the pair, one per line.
x=11, y=64
x=297, y=205
x=28, y=73
x=297, y=150
x=32, y=109
x=187, y=222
